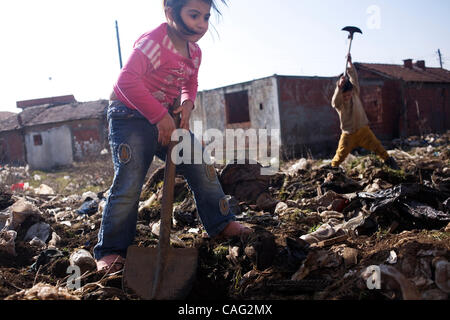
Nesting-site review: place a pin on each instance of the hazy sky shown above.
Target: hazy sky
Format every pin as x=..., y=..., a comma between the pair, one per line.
x=58, y=47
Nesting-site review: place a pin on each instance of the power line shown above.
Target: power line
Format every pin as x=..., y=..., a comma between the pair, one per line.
x=118, y=45
x=440, y=58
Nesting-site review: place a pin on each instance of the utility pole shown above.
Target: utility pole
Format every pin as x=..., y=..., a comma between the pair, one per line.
x=440, y=57
x=118, y=45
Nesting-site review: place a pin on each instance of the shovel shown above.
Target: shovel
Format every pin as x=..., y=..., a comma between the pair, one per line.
x=162, y=273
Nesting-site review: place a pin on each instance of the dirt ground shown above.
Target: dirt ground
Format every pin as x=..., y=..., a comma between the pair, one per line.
x=405, y=231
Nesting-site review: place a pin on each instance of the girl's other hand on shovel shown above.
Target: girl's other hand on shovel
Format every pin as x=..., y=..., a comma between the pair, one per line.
x=165, y=128
x=185, y=110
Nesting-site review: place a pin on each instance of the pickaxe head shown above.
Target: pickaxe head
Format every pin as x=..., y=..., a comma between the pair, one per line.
x=352, y=30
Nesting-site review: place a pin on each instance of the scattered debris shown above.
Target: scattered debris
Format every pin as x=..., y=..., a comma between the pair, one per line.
x=43, y=291
x=317, y=229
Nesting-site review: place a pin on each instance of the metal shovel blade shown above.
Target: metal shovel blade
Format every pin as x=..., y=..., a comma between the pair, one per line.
x=176, y=278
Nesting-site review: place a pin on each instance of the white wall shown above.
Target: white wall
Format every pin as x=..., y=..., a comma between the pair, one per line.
x=56, y=148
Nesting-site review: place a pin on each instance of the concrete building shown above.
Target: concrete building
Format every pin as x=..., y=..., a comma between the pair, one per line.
x=53, y=132
x=400, y=100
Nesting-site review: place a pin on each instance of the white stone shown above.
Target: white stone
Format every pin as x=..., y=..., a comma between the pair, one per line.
x=83, y=259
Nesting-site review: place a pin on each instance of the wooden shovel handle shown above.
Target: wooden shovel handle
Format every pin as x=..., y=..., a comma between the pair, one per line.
x=166, y=211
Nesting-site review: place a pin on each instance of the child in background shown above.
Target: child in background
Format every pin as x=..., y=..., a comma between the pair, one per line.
x=354, y=122
x=164, y=63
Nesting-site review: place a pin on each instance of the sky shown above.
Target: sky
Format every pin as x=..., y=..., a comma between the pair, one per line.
x=59, y=47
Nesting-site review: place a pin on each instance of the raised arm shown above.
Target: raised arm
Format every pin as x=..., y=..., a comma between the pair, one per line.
x=353, y=75
x=337, y=100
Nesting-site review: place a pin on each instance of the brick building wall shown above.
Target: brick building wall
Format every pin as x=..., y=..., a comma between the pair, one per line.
x=308, y=122
x=426, y=108
x=12, y=149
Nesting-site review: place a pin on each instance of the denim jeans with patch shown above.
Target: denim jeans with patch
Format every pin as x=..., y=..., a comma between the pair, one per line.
x=134, y=143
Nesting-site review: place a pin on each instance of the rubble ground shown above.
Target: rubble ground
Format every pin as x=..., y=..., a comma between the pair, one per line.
x=319, y=233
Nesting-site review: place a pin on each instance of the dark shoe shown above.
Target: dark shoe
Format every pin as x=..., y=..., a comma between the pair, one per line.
x=391, y=163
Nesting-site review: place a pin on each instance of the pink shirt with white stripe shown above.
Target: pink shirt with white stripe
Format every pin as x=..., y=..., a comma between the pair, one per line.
x=156, y=74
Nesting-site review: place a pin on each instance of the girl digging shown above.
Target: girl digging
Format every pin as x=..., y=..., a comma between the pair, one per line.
x=164, y=63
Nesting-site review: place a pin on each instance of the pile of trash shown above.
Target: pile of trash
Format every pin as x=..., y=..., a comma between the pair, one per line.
x=361, y=231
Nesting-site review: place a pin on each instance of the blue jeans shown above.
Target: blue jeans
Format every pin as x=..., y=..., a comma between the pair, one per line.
x=134, y=143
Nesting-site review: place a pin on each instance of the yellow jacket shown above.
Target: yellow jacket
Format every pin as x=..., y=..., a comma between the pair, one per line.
x=351, y=114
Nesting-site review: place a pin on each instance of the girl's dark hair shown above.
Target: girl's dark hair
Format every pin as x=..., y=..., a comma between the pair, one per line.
x=177, y=5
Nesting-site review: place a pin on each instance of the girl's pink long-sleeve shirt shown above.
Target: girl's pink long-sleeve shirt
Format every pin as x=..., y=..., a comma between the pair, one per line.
x=156, y=74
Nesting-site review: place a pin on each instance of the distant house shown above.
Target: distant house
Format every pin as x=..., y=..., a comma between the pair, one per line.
x=405, y=100
x=5, y=115
x=400, y=100
x=53, y=132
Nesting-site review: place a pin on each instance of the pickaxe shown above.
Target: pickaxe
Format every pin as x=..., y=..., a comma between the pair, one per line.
x=351, y=30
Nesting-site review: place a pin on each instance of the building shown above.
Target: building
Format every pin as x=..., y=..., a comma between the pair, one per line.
x=53, y=132
x=405, y=100
x=400, y=100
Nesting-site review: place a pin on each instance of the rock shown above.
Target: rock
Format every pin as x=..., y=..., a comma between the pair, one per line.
x=442, y=274
x=301, y=164
x=325, y=200
x=327, y=215
x=88, y=195
x=155, y=227
x=350, y=256
x=4, y=215
x=20, y=211
x=317, y=260
x=64, y=215
x=66, y=223
x=407, y=287
x=54, y=240
x=233, y=254
x=293, y=254
x=261, y=249
x=101, y=206
x=44, y=190
x=7, y=242
x=447, y=228
x=39, y=230
x=434, y=294
x=147, y=203
x=244, y=181
x=84, y=260
x=38, y=243
x=89, y=207
x=265, y=202
x=422, y=282
x=392, y=259
x=42, y=291
x=280, y=207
